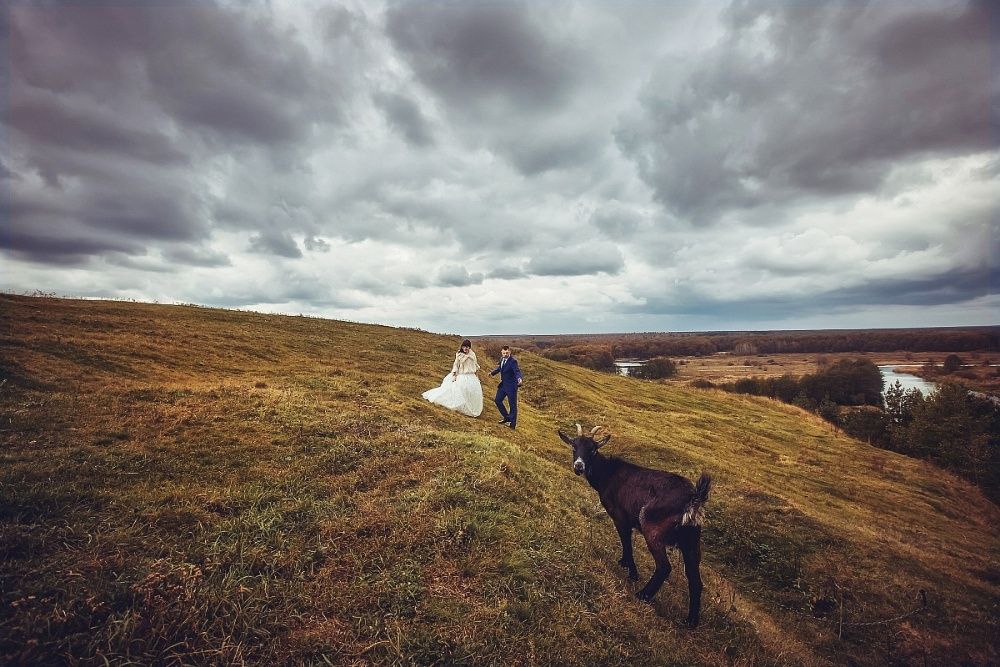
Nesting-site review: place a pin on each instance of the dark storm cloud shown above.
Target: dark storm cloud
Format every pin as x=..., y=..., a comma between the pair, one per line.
x=54, y=244
x=208, y=67
x=505, y=79
x=405, y=116
x=482, y=55
x=194, y=256
x=534, y=154
x=579, y=261
x=116, y=108
x=44, y=118
x=147, y=214
x=373, y=284
x=955, y=285
x=275, y=243
x=813, y=100
x=98, y=197
x=952, y=286
x=458, y=276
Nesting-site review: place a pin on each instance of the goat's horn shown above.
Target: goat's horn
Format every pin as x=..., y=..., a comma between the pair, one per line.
x=579, y=430
x=594, y=430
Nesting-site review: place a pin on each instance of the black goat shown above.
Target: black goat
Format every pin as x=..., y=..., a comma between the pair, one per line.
x=666, y=508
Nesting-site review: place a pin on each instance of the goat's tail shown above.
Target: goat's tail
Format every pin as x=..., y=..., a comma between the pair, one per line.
x=695, y=510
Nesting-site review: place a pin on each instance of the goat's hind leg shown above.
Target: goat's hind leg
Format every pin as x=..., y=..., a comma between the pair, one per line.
x=627, y=560
x=659, y=551
x=690, y=546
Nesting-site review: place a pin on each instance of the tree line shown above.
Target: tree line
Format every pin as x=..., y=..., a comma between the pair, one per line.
x=599, y=351
x=844, y=382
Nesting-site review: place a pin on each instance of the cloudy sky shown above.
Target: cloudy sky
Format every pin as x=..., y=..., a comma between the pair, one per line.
x=509, y=167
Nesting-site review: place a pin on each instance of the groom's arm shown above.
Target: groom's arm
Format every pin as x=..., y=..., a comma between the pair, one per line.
x=495, y=370
x=517, y=372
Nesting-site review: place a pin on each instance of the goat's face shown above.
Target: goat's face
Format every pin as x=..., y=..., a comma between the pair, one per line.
x=584, y=448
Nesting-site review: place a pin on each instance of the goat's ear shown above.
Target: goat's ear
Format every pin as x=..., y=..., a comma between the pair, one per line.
x=565, y=438
x=603, y=441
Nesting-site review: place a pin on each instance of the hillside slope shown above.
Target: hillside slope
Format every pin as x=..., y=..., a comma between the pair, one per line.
x=182, y=484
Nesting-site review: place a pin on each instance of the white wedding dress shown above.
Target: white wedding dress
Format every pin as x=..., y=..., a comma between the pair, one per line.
x=460, y=392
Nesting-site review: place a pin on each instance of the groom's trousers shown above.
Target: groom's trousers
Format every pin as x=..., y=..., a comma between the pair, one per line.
x=511, y=397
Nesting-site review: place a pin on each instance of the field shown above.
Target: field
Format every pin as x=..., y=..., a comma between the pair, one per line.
x=726, y=367
x=183, y=485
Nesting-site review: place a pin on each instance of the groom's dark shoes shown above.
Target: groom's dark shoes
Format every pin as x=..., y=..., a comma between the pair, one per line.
x=503, y=421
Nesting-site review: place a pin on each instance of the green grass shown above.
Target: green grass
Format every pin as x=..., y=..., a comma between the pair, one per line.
x=195, y=486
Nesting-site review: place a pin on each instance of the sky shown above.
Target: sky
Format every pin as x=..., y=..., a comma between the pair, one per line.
x=499, y=167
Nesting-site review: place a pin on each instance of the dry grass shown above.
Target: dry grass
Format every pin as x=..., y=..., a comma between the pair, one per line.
x=197, y=486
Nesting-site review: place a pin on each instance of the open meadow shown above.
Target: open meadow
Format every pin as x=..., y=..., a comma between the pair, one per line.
x=184, y=485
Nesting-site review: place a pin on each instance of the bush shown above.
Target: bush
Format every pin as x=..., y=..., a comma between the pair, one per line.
x=952, y=363
x=656, y=368
x=829, y=411
x=786, y=388
x=846, y=382
x=595, y=357
x=869, y=424
x=804, y=402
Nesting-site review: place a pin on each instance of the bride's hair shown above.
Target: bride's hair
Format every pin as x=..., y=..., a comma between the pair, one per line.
x=465, y=343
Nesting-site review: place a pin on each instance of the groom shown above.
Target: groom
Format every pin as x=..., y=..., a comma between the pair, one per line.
x=510, y=380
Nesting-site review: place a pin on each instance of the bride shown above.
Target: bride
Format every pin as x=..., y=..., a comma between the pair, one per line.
x=460, y=389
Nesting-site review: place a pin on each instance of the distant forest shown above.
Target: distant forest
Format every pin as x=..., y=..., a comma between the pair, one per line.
x=598, y=351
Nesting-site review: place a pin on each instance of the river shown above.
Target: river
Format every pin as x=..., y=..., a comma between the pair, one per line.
x=625, y=366
x=890, y=375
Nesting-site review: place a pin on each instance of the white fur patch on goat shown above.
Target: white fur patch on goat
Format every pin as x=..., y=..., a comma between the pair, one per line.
x=693, y=515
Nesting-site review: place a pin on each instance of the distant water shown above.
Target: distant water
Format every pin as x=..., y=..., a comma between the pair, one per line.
x=909, y=381
x=625, y=366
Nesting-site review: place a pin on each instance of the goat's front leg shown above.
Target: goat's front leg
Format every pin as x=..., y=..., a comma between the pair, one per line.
x=627, y=561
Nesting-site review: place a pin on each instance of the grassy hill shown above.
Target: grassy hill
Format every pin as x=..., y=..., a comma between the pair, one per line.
x=200, y=486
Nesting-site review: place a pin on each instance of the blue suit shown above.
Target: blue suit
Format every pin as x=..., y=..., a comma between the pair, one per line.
x=510, y=377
